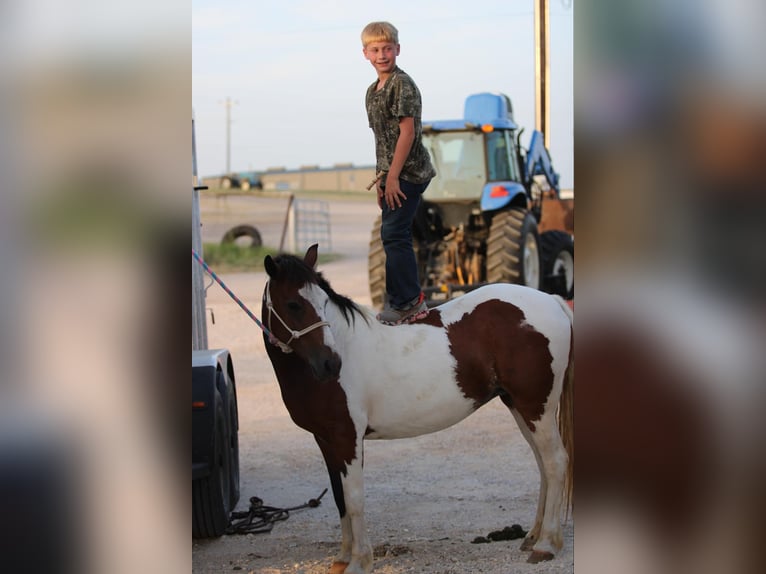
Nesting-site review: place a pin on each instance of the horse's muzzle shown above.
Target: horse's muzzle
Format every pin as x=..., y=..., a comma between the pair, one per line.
x=326, y=365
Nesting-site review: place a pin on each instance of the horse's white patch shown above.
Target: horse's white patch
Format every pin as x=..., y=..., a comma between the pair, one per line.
x=318, y=299
x=393, y=377
x=404, y=370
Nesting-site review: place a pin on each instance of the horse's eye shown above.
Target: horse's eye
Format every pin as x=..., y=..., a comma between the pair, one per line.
x=294, y=306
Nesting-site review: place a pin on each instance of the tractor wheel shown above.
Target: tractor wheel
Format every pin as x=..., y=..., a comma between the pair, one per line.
x=376, y=266
x=243, y=231
x=211, y=495
x=557, y=249
x=513, y=254
x=244, y=185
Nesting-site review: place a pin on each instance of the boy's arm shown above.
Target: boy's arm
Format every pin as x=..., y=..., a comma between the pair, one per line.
x=394, y=195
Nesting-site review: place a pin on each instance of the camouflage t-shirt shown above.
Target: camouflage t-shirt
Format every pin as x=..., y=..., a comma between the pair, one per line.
x=399, y=98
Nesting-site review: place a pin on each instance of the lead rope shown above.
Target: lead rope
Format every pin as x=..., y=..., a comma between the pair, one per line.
x=284, y=347
x=260, y=518
x=269, y=334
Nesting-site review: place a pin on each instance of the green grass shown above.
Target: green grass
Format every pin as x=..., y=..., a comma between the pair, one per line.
x=233, y=258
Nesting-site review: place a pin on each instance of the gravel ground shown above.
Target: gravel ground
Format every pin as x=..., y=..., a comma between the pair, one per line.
x=427, y=498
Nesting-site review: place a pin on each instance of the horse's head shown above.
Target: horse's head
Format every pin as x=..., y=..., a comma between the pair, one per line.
x=294, y=307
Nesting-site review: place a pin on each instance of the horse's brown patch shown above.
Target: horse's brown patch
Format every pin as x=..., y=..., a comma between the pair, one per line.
x=520, y=368
x=318, y=407
x=434, y=318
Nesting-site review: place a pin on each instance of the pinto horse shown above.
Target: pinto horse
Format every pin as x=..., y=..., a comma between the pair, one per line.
x=345, y=377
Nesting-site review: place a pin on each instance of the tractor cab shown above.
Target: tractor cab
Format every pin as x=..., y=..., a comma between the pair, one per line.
x=479, y=160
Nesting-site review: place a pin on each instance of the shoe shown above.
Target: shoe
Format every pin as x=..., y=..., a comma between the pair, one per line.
x=417, y=310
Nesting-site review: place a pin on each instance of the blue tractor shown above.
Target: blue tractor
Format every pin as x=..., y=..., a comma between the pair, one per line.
x=493, y=213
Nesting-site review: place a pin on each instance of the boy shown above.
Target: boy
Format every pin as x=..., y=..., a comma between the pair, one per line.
x=393, y=109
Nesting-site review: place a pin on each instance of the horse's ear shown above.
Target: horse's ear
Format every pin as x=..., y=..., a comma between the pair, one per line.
x=311, y=255
x=271, y=267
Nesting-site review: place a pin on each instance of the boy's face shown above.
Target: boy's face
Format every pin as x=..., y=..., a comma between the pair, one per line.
x=382, y=56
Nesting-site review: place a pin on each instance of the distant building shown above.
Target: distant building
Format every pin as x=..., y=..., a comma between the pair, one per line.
x=340, y=177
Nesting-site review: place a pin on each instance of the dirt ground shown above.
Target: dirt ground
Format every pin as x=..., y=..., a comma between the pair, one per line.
x=426, y=498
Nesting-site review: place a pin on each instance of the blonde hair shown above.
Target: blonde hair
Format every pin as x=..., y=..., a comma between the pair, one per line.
x=379, y=32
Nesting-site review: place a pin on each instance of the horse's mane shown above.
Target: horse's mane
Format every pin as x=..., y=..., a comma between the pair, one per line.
x=294, y=268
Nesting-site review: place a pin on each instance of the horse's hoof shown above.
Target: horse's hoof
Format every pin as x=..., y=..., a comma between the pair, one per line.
x=538, y=556
x=338, y=568
x=528, y=544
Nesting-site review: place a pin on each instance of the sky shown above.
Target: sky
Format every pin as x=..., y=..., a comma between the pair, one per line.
x=297, y=76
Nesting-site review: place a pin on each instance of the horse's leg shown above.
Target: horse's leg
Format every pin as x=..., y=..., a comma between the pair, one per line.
x=335, y=467
x=353, y=490
x=534, y=533
x=545, y=537
x=554, y=465
x=552, y=460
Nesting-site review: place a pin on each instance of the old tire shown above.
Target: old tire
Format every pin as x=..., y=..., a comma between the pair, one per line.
x=557, y=253
x=513, y=249
x=376, y=266
x=240, y=231
x=211, y=495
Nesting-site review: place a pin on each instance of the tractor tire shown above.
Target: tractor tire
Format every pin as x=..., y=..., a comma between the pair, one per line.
x=513, y=249
x=557, y=250
x=376, y=266
x=211, y=495
x=243, y=231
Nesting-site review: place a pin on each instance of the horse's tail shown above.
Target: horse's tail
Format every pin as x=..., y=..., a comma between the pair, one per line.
x=566, y=411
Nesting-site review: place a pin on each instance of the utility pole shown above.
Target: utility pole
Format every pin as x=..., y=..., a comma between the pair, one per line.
x=228, y=104
x=542, y=70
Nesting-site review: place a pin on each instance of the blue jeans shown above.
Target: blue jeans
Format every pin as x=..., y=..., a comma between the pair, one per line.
x=402, y=283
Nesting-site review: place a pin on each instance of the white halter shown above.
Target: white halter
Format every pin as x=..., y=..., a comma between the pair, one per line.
x=285, y=347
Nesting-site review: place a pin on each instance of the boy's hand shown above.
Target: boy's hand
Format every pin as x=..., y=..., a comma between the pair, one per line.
x=393, y=194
